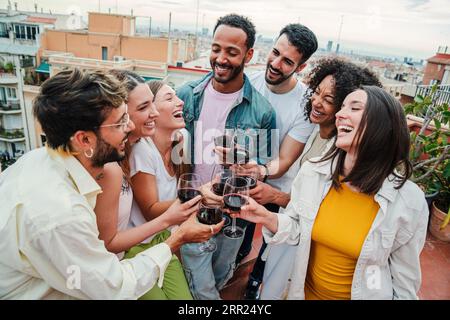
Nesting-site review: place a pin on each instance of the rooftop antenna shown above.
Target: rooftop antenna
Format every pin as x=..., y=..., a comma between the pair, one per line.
x=15, y=6
x=196, y=18
x=339, y=36
x=170, y=23
x=35, y=7
x=196, y=27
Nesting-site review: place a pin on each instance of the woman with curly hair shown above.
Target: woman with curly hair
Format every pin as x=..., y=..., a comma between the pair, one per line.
x=330, y=81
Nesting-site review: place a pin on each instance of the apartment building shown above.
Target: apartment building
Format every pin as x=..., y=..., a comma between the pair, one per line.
x=20, y=36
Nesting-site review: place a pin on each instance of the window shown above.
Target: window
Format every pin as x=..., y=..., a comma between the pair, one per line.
x=26, y=32
x=3, y=31
x=22, y=32
x=11, y=93
x=104, y=53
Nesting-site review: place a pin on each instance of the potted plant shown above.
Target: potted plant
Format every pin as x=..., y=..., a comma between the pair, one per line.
x=9, y=67
x=430, y=154
x=440, y=210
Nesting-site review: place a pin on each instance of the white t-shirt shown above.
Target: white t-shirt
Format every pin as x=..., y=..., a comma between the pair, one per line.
x=290, y=118
x=146, y=158
x=211, y=123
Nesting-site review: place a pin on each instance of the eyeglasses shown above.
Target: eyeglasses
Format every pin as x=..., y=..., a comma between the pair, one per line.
x=124, y=121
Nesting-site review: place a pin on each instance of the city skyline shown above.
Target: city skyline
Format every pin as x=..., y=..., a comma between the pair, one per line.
x=412, y=28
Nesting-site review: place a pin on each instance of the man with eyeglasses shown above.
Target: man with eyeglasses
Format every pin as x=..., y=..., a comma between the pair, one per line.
x=49, y=245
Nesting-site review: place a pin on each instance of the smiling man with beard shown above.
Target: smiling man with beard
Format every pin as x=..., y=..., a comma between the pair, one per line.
x=279, y=84
x=223, y=99
x=49, y=245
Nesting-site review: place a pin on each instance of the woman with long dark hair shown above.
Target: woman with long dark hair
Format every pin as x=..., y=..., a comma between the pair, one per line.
x=356, y=220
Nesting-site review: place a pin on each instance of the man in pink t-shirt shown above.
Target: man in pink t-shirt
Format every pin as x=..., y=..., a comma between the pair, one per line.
x=223, y=99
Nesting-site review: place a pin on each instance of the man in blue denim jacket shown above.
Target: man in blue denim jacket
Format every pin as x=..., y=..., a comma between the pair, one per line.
x=223, y=99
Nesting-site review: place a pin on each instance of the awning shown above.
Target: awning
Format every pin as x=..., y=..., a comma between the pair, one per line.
x=44, y=67
x=150, y=78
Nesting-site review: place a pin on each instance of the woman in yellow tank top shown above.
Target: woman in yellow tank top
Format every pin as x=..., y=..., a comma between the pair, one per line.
x=369, y=218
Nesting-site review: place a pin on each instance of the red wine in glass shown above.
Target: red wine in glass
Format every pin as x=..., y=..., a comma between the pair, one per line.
x=188, y=186
x=187, y=194
x=234, y=202
x=251, y=182
x=234, y=198
x=209, y=215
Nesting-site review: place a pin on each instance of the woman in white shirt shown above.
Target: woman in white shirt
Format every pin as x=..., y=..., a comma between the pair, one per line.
x=357, y=223
x=118, y=188
x=153, y=169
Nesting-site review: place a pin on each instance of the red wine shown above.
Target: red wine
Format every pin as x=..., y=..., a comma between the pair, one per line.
x=218, y=188
x=234, y=202
x=187, y=194
x=209, y=215
x=251, y=182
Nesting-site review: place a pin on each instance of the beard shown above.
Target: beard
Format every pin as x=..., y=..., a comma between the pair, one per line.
x=235, y=71
x=105, y=153
x=283, y=77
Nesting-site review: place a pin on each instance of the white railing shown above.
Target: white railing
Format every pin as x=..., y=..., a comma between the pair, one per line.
x=147, y=68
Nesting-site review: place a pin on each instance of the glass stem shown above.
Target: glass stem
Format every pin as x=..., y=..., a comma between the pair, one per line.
x=233, y=224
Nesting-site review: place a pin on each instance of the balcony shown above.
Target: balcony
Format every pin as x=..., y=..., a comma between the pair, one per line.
x=8, y=78
x=145, y=68
x=442, y=93
x=12, y=135
x=27, y=63
x=10, y=107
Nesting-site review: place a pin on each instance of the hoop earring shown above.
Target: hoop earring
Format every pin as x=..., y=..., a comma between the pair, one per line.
x=91, y=153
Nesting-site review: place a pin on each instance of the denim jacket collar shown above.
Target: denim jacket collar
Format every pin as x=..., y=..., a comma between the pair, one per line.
x=200, y=86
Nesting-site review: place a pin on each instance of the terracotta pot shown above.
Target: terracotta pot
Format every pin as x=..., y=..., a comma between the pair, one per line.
x=436, y=219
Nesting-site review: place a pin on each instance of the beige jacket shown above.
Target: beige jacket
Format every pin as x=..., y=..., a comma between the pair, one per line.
x=388, y=266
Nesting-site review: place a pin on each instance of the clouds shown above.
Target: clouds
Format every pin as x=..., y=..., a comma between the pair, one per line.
x=409, y=25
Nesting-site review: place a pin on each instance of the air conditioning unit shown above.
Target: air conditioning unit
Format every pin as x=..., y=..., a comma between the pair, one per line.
x=118, y=59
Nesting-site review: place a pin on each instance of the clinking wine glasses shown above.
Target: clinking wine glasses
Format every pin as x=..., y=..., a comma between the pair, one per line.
x=219, y=177
x=235, y=196
x=188, y=186
x=209, y=214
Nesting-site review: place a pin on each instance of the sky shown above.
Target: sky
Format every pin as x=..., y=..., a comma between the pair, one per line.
x=413, y=28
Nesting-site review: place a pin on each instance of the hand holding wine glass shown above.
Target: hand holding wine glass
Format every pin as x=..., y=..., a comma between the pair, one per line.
x=209, y=215
x=189, y=186
x=235, y=196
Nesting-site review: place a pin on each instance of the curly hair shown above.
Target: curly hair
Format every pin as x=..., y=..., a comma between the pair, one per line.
x=347, y=77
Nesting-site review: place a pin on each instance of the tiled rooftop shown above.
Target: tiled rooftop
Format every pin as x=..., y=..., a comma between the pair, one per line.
x=435, y=262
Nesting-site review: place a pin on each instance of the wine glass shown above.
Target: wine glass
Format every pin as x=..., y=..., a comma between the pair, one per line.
x=219, y=176
x=209, y=214
x=225, y=141
x=188, y=186
x=244, y=146
x=235, y=196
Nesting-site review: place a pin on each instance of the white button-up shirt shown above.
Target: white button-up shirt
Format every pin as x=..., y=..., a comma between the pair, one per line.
x=388, y=266
x=49, y=245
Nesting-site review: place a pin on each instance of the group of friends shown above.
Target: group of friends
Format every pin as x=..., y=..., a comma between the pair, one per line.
x=95, y=213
